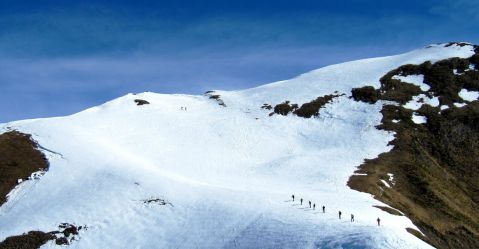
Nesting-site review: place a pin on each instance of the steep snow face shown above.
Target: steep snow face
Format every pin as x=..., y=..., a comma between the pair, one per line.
x=228, y=172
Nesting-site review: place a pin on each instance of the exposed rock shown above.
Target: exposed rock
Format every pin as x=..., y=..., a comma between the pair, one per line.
x=141, y=102
x=35, y=239
x=216, y=97
x=267, y=107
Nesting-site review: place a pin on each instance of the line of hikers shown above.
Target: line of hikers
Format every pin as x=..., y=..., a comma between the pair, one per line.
x=183, y=108
x=324, y=210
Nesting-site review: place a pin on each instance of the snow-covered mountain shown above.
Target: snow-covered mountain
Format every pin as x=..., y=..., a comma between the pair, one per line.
x=218, y=170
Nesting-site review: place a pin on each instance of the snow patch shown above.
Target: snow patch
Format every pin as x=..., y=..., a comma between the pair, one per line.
x=419, y=100
x=418, y=119
x=391, y=178
x=415, y=79
x=469, y=95
x=386, y=183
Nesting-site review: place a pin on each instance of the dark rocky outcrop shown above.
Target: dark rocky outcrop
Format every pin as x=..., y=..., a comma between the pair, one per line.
x=217, y=97
x=35, y=239
x=267, y=107
x=141, y=102
x=30, y=240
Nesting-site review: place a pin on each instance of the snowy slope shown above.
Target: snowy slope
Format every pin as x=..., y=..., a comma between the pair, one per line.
x=227, y=171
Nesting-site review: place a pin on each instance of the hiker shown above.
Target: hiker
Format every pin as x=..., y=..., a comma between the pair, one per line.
x=379, y=221
x=339, y=214
x=309, y=204
x=301, y=201
x=293, y=197
x=314, y=206
x=352, y=217
x=324, y=209
x=182, y=108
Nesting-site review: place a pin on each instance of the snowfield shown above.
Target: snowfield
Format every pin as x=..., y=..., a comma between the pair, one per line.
x=228, y=172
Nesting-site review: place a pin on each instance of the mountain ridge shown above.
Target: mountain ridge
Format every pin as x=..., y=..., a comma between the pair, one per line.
x=211, y=161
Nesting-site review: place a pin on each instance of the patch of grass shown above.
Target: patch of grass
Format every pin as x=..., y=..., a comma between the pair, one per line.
x=19, y=158
x=389, y=210
x=416, y=233
x=308, y=110
x=366, y=94
x=395, y=90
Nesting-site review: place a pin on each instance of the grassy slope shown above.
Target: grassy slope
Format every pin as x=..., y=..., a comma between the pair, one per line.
x=436, y=175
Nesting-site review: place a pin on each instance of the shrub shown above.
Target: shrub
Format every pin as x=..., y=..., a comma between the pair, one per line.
x=366, y=94
x=307, y=110
x=285, y=108
x=469, y=80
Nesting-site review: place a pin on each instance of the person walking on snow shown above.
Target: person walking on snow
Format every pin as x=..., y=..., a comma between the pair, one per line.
x=309, y=204
x=314, y=206
x=352, y=217
x=379, y=221
x=293, y=197
x=339, y=214
x=301, y=200
x=324, y=209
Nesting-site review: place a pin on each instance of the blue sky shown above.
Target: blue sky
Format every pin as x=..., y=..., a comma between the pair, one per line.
x=60, y=57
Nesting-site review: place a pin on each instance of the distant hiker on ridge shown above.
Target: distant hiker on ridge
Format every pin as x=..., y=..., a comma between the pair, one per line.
x=352, y=217
x=292, y=197
x=309, y=204
x=339, y=214
x=324, y=209
x=314, y=206
x=379, y=221
x=301, y=201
